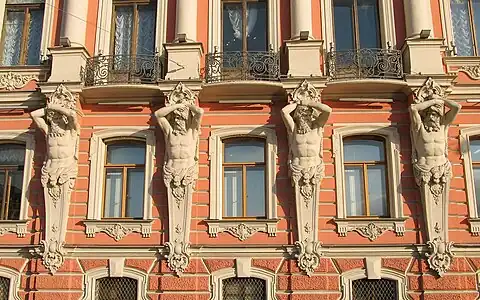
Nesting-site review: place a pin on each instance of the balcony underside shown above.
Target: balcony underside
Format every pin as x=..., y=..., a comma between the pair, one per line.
x=250, y=91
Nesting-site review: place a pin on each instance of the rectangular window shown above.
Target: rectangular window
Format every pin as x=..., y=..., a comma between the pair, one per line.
x=466, y=26
x=4, y=288
x=124, y=180
x=12, y=157
x=116, y=288
x=356, y=24
x=22, y=32
x=134, y=25
x=243, y=289
x=365, y=177
x=244, y=178
x=381, y=289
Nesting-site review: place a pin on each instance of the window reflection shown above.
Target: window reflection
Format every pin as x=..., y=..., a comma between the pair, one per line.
x=12, y=157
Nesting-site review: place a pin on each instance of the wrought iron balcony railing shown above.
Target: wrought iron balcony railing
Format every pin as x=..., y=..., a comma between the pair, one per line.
x=365, y=63
x=123, y=69
x=231, y=66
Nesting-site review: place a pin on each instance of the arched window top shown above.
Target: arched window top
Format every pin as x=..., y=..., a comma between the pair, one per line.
x=112, y=288
x=244, y=288
x=247, y=149
x=364, y=149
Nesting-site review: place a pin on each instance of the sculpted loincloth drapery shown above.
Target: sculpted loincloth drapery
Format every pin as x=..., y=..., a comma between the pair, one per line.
x=59, y=180
x=306, y=178
x=434, y=178
x=178, y=180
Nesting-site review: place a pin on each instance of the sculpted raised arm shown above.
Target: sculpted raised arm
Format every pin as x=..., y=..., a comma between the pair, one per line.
x=415, y=110
x=197, y=115
x=452, y=113
x=287, y=117
x=70, y=113
x=161, y=114
x=37, y=117
x=324, y=110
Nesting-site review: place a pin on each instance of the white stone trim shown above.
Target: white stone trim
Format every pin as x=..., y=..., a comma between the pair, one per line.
x=446, y=19
x=47, y=29
x=92, y=275
x=215, y=156
x=217, y=277
x=348, y=277
x=28, y=139
x=14, y=287
x=473, y=214
x=392, y=154
x=97, y=160
x=118, y=229
x=104, y=27
x=215, y=25
x=386, y=22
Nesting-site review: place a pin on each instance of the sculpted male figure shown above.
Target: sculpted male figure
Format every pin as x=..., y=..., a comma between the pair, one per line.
x=305, y=133
x=429, y=134
x=181, y=125
x=60, y=126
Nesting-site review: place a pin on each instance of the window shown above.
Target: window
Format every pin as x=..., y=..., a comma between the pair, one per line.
x=466, y=26
x=12, y=160
x=243, y=167
x=380, y=289
x=475, y=153
x=22, y=32
x=244, y=178
x=244, y=289
x=365, y=177
x=245, y=25
x=124, y=180
x=356, y=24
x=134, y=27
x=4, y=288
x=114, y=288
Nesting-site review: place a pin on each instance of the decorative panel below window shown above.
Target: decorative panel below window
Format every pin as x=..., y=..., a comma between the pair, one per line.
x=4, y=288
x=244, y=289
x=382, y=289
x=116, y=288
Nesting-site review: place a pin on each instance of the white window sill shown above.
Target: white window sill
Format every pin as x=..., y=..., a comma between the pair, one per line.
x=242, y=229
x=118, y=229
x=370, y=228
x=15, y=226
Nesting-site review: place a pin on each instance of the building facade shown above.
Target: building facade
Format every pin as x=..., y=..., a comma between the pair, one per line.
x=239, y=149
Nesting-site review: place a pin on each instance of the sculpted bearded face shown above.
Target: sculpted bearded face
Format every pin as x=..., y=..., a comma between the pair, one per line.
x=179, y=121
x=58, y=122
x=431, y=120
x=303, y=117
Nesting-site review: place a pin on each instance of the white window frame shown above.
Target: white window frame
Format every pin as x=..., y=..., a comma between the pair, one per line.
x=396, y=221
x=91, y=276
x=47, y=30
x=14, y=287
x=118, y=228
x=218, y=276
x=473, y=214
x=348, y=277
x=237, y=227
x=28, y=139
x=215, y=25
x=104, y=27
x=386, y=23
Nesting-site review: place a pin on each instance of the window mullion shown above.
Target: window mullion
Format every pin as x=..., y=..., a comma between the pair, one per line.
x=4, y=200
x=472, y=27
x=356, y=30
x=244, y=187
x=244, y=26
x=24, y=43
x=133, y=51
x=365, y=188
x=124, y=192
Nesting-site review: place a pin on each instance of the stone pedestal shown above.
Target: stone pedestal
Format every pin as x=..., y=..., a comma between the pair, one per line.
x=423, y=56
x=304, y=58
x=67, y=64
x=183, y=61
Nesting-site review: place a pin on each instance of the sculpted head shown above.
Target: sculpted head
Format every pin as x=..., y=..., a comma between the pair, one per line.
x=303, y=117
x=178, y=120
x=58, y=122
x=432, y=118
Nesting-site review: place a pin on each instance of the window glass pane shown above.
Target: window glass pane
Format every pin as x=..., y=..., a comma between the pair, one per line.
x=146, y=29
x=113, y=193
x=257, y=26
x=462, y=32
x=343, y=22
x=476, y=178
x=12, y=154
x=34, y=36
x=244, y=150
x=232, y=27
x=233, y=192
x=16, y=183
x=126, y=153
x=368, y=24
x=256, y=191
x=123, y=29
x=116, y=288
x=377, y=191
x=475, y=150
x=4, y=288
x=363, y=150
x=13, y=31
x=135, y=189
x=25, y=1
x=476, y=20
x=354, y=191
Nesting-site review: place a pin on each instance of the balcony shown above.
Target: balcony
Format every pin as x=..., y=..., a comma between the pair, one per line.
x=123, y=69
x=365, y=64
x=242, y=66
